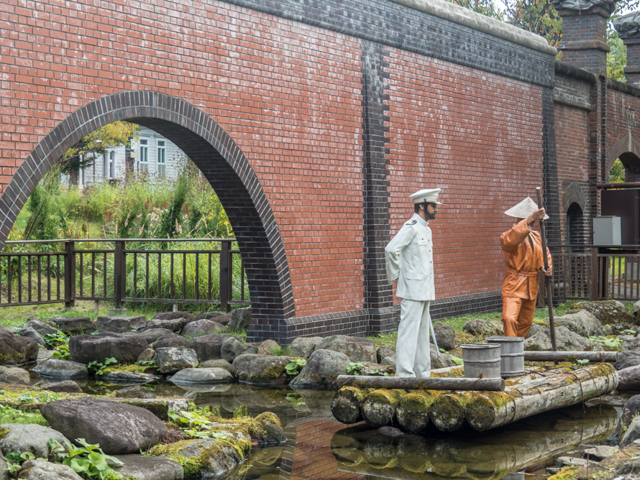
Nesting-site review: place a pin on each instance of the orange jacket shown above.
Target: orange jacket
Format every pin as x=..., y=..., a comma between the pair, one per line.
x=522, y=249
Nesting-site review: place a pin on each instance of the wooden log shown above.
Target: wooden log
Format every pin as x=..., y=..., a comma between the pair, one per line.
x=379, y=407
x=571, y=355
x=346, y=404
x=413, y=411
x=488, y=410
x=629, y=378
x=412, y=383
x=448, y=411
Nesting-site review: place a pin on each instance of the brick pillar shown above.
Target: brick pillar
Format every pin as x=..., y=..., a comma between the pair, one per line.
x=584, y=33
x=628, y=27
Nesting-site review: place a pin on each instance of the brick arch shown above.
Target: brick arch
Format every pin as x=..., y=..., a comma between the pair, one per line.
x=216, y=155
x=627, y=151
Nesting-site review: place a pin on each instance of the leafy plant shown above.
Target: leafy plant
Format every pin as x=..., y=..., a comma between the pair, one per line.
x=15, y=460
x=375, y=371
x=456, y=360
x=88, y=460
x=628, y=331
x=611, y=342
x=195, y=424
x=12, y=415
x=295, y=399
x=293, y=368
x=40, y=397
x=355, y=368
x=97, y=368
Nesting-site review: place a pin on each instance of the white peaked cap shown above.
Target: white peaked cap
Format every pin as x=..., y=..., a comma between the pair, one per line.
x=429, y=195
x=525, y=208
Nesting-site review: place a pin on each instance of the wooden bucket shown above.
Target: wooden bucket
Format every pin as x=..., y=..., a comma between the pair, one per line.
x=481, y=360
x=511, y=355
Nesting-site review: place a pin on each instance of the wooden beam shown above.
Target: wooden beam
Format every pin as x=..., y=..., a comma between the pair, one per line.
x=547, y=356
x=412, y=383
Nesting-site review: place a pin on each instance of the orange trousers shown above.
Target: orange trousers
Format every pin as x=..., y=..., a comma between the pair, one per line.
x=517, y=316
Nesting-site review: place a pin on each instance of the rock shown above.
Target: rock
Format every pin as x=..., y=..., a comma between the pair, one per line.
x=150, y=335
x=66, y=386
x=628, y=470
x=129, y=377
x=116, y=324
x=636, y=311
x=582, y=322
x=44, y=355
x=134, y=392
x=607, y=311
x=173, y=359
x=540, y=341
x=124, y=348
x=263, y=370
x=304, y=346
x=31, y=333
x=482, y=328
x=629, y=342
x=599, y=452
x=170, y=340
x=221, y=318
x=30, y=438
x=118, y=428
x=231, y=348
x=143, y=467
x=445, y=335
x=632, y=433
x=627, y=359
x=43, y=470
x=321, y=370
x=62, y=369
x=440, y=361
x=14, y=376
x=535, y=328
x=43, y=329
x=269, y=430
x=268, y=347
x=146, y=356
x=4, y=468
x=16, y=350
x=218, y=363
x=189, y=317
x=384, y=352
x=240, y=319
x=377, y=369
x=630, y=410
x=202, y=376
x=357, y=349
x=74, y=325
x=569, y=340
x=389, y=361
x=208, y=347
x=172, y=324
x=198, y=328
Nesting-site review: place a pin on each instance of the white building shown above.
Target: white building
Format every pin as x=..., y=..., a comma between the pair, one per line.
x=152, y=154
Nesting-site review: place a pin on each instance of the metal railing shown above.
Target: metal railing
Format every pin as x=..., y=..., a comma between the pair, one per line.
x=596, y=272
x=63, y=271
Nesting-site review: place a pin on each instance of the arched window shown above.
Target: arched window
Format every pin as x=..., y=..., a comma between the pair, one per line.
x=575, y=227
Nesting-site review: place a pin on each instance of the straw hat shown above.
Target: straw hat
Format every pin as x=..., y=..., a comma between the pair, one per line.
x=525, y=208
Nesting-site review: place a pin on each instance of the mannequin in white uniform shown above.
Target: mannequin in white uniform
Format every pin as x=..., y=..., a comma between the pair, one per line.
x=409, y=260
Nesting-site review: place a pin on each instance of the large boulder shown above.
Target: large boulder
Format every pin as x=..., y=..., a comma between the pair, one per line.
x=479, y=327
x=582, y=322
x=540, y=341
x=439, y=359
x=62, y=369
x=43, y=470
x=170, y=340
x=189, y=317
x=445, y=335
x=357, y=349
x=144, y=467
x=118, y=428
x=30, y=438
x=568, y=340
x=207, y=376
x=385, y=352
x=150, y=335
x=632, y=434
x=37, y=330
x=263, y=370
x=117, y=324
x=65, y=386
x=174, y=324
x=627, y=359
x=607, y=311
x=173, y=359
x=124, y=348
x=304, y=346
x=198, y=328
x=321, y=370
x=14, y=376
x=268, y=347
x=208, y=347
x=16, y=350
x=73, y=325
x=231, y=348
x=240, y=319
x=222, y=318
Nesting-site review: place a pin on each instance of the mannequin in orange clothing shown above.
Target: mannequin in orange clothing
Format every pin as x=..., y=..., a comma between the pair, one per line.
x=522, y=248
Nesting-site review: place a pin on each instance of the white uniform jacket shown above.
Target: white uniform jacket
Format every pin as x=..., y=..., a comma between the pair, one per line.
x=409, y=259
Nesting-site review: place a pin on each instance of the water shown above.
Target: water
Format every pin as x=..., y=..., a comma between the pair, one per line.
x=318, y=447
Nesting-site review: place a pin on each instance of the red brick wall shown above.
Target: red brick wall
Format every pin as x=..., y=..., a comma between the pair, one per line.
x=572, y=148
x=476, y=135
x=288, y=95
x=617, y=131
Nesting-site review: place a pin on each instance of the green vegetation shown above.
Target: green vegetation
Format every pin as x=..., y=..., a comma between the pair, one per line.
x=88, y=460
x=293, y=367
x=13, y=415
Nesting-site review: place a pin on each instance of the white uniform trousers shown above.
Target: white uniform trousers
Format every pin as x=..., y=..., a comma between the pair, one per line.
x=413, y=356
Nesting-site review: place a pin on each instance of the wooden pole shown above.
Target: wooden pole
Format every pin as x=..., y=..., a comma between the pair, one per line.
x=547, y=283
x=569, y=355
x=413, y=383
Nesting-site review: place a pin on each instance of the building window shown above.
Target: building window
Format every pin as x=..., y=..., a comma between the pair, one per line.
x=162, y=159
x=109, y=160
x=143, y=159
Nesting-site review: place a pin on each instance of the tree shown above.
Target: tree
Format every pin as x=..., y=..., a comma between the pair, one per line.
x=84, y=153
x=617, y=57
x=617, y=172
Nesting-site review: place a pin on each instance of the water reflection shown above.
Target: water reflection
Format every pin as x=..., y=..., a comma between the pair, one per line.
x=490, y=455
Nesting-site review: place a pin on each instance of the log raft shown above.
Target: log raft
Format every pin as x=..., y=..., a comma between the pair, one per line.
x=419, y=410
x=412, y=383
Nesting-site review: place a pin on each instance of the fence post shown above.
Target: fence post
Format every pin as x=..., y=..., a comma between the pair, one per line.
x=595, y=278
x=225, y=275
x=69, y=274
x=118, y=273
